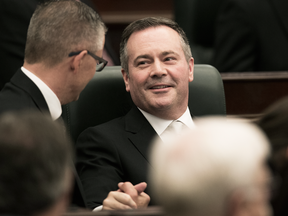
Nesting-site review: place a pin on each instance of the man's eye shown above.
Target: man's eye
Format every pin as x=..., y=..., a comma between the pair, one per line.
x=142, y=63
x=169, y=59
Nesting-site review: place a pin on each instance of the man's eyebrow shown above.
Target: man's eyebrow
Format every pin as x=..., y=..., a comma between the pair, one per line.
x=141, y=56
x=169, y=52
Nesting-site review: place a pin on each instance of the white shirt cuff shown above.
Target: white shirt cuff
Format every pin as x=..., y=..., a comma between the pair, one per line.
x=98, y=208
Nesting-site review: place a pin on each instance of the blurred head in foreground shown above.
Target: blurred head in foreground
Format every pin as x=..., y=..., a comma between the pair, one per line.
x=218, y=168
x=35, y=157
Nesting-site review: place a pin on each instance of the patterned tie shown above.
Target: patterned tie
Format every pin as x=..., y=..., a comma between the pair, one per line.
x=172, y=130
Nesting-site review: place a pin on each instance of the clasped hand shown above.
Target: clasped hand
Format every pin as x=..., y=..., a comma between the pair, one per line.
x=128, y=196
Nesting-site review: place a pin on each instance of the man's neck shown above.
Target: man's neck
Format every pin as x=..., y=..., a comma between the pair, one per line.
x=53, y=102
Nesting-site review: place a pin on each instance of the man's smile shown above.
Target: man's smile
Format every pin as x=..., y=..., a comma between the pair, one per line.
x=160, y=87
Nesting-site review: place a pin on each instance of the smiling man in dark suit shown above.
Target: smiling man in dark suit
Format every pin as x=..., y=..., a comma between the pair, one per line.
x=64, y=44
x=157, y=67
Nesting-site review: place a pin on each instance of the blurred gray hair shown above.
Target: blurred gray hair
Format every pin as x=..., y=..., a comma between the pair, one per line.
x=197, y=172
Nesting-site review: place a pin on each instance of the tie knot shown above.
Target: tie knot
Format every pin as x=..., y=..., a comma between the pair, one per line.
x=174, y=128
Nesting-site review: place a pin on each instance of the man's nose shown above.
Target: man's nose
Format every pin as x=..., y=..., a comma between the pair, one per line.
x=158, y=69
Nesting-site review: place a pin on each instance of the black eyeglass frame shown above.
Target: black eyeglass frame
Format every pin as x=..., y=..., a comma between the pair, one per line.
x=97, y=58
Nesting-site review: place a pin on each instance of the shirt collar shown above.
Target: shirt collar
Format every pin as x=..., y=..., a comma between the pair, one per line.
x=160, y=124
x=51, y=99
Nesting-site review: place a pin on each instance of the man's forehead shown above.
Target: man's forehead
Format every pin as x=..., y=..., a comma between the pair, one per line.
x=152, y=29
x=143, y=41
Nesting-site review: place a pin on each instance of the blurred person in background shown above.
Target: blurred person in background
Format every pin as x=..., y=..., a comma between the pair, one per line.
x=14, y=21
x=251, y=35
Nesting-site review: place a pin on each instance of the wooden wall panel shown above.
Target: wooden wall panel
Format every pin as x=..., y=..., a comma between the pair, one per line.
x=126, y=11
x=250, y=93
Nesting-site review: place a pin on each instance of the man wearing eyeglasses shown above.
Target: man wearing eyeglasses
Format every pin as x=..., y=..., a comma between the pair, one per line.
x=65, y=40
x=64, y=46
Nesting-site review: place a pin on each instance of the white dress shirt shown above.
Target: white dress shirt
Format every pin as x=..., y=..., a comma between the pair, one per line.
x=51, y=99
x=160, y=125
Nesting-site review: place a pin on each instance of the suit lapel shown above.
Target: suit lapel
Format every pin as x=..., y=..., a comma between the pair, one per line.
x=139, y=131
x=23, y=82
x=279, y=8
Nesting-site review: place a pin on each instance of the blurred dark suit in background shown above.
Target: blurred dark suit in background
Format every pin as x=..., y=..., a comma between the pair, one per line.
x=252, y=35
x=14, y=20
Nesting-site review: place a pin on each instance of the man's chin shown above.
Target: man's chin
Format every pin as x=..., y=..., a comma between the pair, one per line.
x=162, y=106
x=163, y=102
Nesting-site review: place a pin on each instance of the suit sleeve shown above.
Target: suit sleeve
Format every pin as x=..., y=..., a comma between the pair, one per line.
x=235, y=39
x=98, y=164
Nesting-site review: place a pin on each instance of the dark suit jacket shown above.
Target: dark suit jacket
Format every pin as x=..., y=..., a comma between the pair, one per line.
x=113, y=152
x=252, y=35
x=22, y=94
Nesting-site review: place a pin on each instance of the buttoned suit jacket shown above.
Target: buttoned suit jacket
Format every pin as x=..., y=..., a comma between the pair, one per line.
x=252, y=35
x=113, y=152
x=21, y=93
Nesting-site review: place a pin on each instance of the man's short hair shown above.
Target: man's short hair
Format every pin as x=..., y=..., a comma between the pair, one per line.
x=35, y=160
x=60, y=27
x=196, y=173
x=148, y=22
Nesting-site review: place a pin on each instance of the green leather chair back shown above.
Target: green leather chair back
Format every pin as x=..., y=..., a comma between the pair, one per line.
x=105, y=98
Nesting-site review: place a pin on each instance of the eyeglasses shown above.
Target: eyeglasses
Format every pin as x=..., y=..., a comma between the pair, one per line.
x=101, y=63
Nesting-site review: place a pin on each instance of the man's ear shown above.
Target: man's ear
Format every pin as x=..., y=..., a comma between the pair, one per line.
x=77, y=60
x=126, y=79
x=191, y=69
